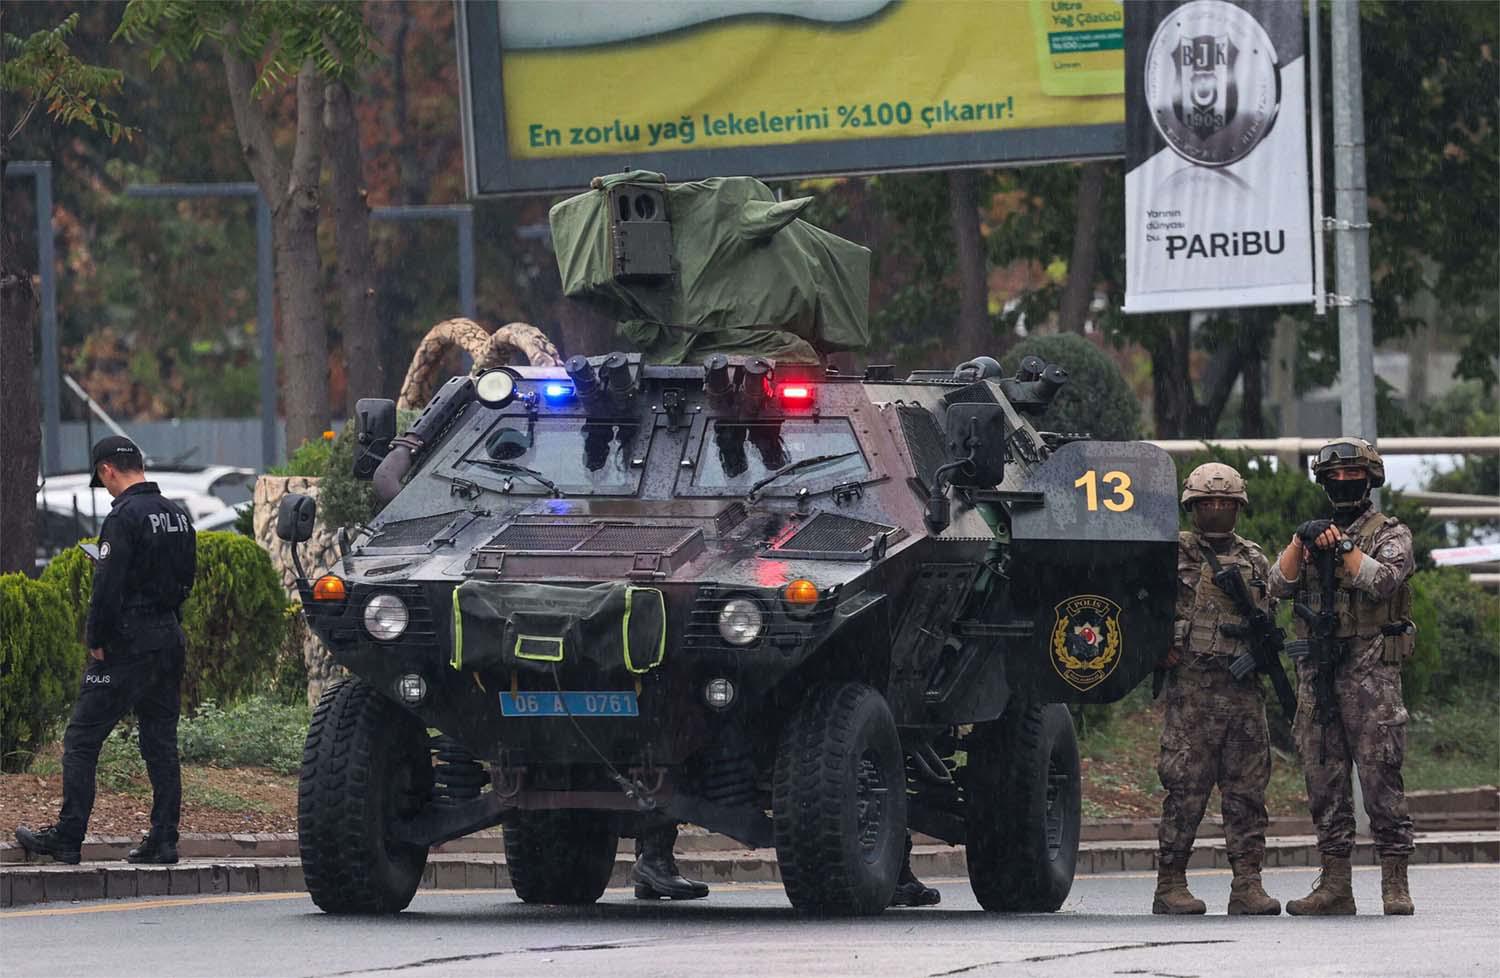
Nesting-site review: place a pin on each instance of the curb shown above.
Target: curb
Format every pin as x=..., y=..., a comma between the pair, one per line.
x=32, y=883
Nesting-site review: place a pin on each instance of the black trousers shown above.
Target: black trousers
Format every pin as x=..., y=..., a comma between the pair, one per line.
x=149, y=683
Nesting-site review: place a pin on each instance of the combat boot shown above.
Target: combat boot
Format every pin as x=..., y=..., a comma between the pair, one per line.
x=655, y=873
x=1172, y=893
x=1394, y=891
x=1332, y=894
x=47, y=841
x=1246, y=894
x=153, y=850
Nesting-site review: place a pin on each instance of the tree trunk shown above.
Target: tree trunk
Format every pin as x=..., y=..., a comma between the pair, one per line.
x=975, y=337
x=1171, y=384
x=1252, y=396
x=355, y=271
x=1078, y=293
x=20, y=427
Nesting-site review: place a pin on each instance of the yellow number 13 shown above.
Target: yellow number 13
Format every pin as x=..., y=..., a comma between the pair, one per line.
x=1122, y=498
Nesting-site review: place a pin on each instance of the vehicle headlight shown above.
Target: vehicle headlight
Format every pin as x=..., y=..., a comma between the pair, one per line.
x=386, y=617
x=741, y=621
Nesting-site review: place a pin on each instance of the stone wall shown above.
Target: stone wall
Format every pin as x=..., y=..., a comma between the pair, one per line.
x=319, y=555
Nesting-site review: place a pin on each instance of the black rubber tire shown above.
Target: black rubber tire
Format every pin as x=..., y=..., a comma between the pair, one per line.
x=840, y=738
x=365, y=764
x=560, y=857
x=1024, y=803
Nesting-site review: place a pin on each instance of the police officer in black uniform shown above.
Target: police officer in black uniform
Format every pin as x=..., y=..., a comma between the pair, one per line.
x=144, y=571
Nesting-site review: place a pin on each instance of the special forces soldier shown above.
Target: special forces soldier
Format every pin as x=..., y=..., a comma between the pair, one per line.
x=1215, y=730
x=147, y=557
x=1350, y=682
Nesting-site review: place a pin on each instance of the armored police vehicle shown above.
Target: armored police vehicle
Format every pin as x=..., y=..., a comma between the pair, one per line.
x=718, y=582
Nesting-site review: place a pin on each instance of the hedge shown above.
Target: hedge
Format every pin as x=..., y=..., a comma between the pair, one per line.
x=235, y=620
x=40, y=666
x=1096, y=400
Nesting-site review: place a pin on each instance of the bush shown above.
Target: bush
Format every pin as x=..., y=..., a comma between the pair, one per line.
x=40, y=665
x=256, y=732
x=1096, y=399
x=235, y=620
x=1457, y=655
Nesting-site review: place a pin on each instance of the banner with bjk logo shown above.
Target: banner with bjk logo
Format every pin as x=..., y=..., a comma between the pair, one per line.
x=1217, y=211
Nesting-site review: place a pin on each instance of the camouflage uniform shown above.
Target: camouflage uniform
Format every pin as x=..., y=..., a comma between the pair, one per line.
x=1215, y=731
x=1371, y=730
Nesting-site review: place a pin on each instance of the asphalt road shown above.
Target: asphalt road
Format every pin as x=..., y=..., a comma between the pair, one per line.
x=749, y=930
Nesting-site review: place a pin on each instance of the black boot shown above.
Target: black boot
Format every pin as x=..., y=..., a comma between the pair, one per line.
x=47, y=842
x=154, y=850
x=910, y=891
x=655, y=873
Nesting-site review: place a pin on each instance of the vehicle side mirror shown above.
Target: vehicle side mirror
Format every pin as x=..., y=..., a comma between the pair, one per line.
x=295, y=517
x=976, y=438
x=374, y=426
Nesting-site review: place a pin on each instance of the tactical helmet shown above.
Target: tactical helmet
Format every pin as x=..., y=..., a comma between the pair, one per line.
x=1214, y=479
x=1340, y=453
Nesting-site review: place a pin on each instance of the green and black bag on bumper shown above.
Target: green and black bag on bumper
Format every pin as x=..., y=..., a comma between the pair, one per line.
x=520, y=626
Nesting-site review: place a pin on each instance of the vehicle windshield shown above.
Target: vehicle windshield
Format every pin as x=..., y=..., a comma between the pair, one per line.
x=736, y=454
x=581, y=454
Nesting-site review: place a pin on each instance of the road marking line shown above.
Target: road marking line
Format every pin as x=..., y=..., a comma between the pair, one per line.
x=154, y=904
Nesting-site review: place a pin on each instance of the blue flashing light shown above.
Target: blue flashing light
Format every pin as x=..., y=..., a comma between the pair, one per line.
x=557, y=391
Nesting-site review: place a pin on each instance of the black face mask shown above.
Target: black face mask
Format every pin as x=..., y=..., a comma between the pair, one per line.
x=1215, y=522
x=1347, y=493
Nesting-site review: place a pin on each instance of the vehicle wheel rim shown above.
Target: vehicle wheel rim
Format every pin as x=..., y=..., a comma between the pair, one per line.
x=869, y=800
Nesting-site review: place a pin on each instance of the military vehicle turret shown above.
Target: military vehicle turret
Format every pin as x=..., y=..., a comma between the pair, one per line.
x=722, y=583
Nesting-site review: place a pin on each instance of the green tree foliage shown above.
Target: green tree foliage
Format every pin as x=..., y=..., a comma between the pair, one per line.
x=40, y=666
x=235, y=620
x=41, y=72
x=1096, y=399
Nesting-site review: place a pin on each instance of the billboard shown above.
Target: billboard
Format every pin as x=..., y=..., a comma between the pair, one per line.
x=1217, y=211
x=558, y=91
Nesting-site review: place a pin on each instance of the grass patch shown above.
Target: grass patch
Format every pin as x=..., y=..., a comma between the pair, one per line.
x=1453, y=746
x=221, y=800
x=255, y=732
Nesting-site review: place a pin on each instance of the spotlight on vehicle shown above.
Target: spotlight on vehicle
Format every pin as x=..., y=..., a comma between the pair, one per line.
x=495, y=388
x=717, y=382
x=718, y=693
x=411, y=688
x=581, y=373
x=618, y=379
x=757, y=387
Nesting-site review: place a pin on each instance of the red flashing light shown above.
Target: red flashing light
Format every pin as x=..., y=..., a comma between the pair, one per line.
x=798, y=393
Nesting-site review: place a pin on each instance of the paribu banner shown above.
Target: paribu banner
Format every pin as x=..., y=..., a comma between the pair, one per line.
x=557, y=91
x=1216, y=185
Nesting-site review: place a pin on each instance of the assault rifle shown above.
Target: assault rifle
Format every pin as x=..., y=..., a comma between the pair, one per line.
x=1322, y=649
x=1259, y=631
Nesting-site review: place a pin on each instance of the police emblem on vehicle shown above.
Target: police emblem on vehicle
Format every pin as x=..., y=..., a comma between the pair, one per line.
x=1212, y=82
x=1086, y=640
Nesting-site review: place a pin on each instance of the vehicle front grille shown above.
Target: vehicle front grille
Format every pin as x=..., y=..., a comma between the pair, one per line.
x=421, y=631
x=702, y=630
x=411, y=533
x=592, y=538
x=834, y=533
x=976, y=393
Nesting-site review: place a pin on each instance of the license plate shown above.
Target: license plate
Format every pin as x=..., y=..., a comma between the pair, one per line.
x=607, y=703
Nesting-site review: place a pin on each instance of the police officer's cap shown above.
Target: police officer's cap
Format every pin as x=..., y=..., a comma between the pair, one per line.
x=114, y=449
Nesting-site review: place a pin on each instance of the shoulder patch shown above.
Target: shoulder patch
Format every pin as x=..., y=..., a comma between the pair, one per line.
x=1390, y=552
x=103, y=550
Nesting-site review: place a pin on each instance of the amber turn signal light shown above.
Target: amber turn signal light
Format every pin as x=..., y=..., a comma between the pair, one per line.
x=801, y=594
x=329, y=588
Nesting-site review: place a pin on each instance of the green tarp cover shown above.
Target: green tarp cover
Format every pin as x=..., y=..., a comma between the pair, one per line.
x=750, y=276
x=535, y=627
